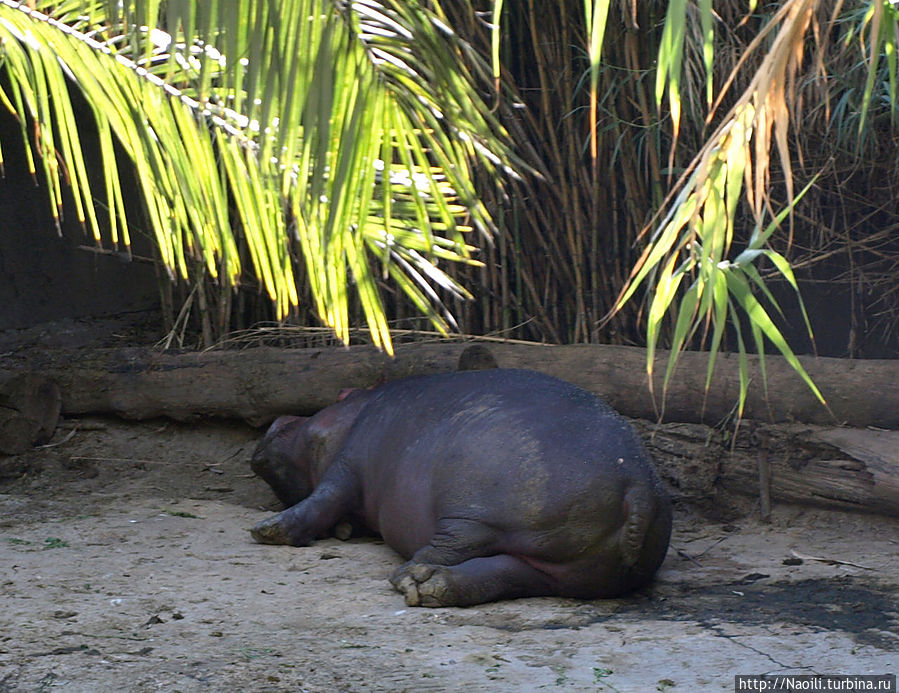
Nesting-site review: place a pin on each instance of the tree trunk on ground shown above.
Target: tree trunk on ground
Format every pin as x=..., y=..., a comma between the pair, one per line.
x=29, y=411
x=806, y=464
x=843, y=468
x=259, y=384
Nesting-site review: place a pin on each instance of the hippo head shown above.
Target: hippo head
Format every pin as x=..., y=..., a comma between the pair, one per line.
x=297, y=450
x=280, y=460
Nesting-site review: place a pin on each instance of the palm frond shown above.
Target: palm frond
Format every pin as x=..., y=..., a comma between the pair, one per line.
x=296, y=125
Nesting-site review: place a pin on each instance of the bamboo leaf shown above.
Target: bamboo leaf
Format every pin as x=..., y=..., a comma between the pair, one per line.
x=708, y=48
x=597, y=13
x=721, y=304
x=668, y=71
x=760, y=319
x=874, y=17
x=686, y=313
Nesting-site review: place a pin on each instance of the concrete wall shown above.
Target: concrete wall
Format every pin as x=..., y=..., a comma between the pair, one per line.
x=44, y=277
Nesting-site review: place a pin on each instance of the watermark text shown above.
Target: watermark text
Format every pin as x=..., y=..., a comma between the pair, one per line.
x=883, y=683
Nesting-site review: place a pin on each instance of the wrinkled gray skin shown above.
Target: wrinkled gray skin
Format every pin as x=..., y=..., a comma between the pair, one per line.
x=493, y=484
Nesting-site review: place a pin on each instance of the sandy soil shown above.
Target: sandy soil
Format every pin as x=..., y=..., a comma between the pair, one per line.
x=127, y=565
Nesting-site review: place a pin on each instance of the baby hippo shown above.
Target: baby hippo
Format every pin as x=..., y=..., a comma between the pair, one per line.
x=492, y=484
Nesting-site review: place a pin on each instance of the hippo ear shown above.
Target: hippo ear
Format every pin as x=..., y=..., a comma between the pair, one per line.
x=476, y=357
x=346, y=392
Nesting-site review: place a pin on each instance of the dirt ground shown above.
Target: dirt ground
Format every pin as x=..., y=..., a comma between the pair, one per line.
x=127, y=565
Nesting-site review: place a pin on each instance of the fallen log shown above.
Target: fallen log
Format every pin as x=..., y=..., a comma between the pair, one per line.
x=29, y=411
x=831, y=467
x=260, y=383
x=837, y=468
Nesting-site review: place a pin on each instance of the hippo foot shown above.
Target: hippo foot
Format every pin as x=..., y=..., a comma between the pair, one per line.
x=275, y=530
x=475, y=581
x=425, y=585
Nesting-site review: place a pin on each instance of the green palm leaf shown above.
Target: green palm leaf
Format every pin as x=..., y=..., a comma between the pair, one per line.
x=307, y=127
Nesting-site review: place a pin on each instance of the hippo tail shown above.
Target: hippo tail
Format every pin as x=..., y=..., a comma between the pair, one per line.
x=640, y=509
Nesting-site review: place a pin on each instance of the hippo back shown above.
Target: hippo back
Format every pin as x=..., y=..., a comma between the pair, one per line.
x=547, y=464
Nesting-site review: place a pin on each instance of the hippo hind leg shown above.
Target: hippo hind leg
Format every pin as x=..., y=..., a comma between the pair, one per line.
x=460, y=566
x=475, y=581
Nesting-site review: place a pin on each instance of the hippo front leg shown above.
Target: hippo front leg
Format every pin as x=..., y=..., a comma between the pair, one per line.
x=302, y=523
x=475, y=581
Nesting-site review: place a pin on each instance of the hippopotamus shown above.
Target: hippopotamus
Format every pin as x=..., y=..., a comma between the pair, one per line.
x=492, y=484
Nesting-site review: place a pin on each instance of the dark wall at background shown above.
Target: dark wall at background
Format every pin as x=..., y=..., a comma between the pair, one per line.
x=44, y=277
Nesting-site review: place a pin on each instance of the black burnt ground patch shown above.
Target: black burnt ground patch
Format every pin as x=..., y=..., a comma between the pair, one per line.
x=867, y=611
